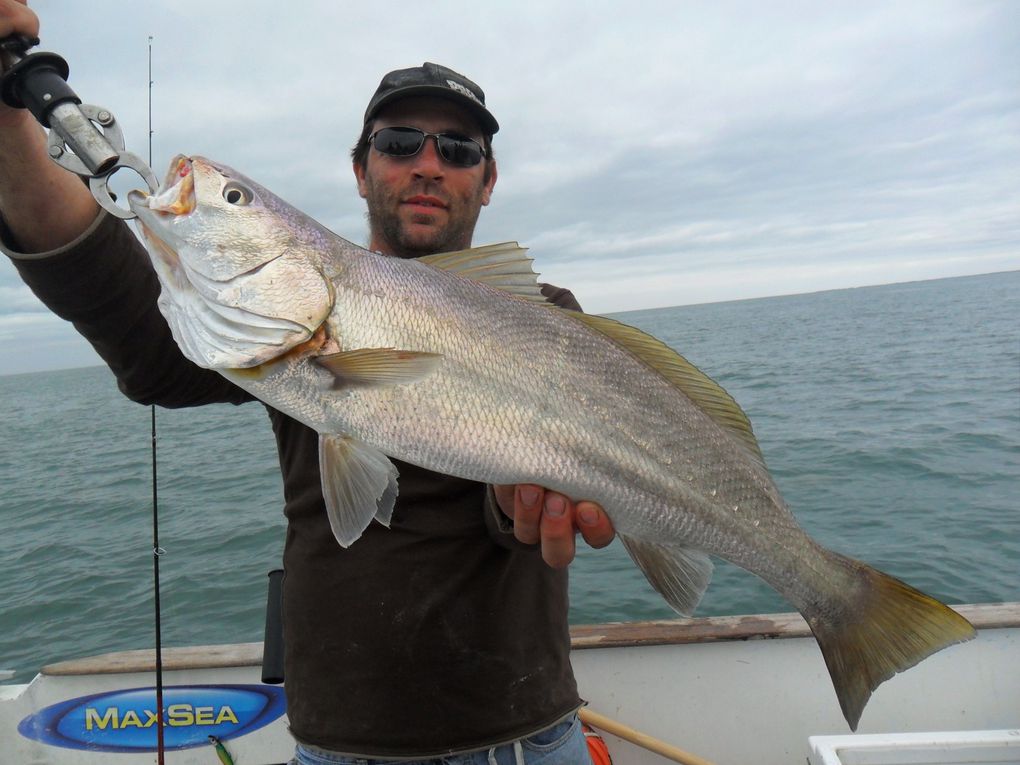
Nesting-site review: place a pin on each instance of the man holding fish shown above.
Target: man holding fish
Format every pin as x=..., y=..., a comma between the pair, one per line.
x=446, y=633
x=464, y=372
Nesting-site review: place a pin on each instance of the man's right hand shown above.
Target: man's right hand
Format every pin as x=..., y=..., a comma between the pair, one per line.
x=43, y=205
x=16, y=18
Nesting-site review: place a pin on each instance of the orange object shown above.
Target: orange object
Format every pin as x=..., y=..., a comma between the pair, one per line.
x=596, y=747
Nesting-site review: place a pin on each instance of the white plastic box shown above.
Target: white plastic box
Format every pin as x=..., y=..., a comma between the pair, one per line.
x=1001, y=747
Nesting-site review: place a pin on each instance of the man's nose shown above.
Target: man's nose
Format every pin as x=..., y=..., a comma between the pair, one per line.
x=427, y=162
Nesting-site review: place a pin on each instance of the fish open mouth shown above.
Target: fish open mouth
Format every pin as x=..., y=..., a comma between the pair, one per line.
x=175, y=197
x=178, y=193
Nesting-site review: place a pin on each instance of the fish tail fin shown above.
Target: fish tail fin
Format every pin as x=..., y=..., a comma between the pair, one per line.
x=885, y=627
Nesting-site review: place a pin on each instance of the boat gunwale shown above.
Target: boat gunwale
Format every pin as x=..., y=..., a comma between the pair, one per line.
x=708, y=629
x=749, y=627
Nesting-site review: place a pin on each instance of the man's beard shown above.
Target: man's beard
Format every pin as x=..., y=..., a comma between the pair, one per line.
x=385, y=223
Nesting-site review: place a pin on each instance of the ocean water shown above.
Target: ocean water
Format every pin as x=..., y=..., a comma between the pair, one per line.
x=889, y=416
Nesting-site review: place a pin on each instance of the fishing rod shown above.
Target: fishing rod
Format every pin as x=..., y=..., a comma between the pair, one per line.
x=157, y=551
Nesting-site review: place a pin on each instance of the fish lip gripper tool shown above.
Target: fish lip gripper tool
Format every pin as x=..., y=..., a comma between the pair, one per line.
x=84, y=139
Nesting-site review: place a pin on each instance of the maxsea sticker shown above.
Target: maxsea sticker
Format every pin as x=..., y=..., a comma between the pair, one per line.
x=125, y=721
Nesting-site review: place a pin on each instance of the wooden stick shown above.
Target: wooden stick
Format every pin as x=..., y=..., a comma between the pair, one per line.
x=643, y=740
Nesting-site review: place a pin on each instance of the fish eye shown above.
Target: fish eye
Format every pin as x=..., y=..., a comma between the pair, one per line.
x=236, y=194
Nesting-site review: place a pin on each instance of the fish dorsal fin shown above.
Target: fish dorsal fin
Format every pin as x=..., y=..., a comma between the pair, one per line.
x=504, y=266
x=707, y=394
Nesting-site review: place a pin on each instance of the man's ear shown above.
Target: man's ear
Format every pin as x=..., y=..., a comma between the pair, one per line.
x=359, y=174
x=487, y=192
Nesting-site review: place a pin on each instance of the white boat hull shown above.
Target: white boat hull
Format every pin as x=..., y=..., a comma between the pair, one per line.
x=732, y=690
x=731, y=694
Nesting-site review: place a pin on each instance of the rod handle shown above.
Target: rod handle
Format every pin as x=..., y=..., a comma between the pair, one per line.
x=272, y=645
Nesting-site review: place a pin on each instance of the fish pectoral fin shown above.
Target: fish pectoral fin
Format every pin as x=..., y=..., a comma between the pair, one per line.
x=504, y=266
x=359, y=483
x=680, y=574
x=369, y=367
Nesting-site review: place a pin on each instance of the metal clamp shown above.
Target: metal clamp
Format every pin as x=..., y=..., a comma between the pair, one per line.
x=100, y=184
x=66, y=155
x=74, y=118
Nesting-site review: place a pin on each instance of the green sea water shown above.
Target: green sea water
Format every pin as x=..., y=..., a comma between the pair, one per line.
x=889, y=416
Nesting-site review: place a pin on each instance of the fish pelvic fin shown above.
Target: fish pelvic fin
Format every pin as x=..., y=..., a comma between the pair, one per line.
x=504, y=266
x=702, y=390
x=359, y=483
x=885, y=627
x=369, y=367
x=680, y=574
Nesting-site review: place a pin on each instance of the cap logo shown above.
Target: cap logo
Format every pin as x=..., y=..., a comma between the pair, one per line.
x=461, y=89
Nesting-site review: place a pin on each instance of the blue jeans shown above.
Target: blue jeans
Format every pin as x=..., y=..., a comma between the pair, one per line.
x=562, y=744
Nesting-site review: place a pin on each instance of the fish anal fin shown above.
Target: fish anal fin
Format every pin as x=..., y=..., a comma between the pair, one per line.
x=885, y=627
x=707, y=394
x=680, y=574
x=370, y=367
x=359, y=483
x=504, y=266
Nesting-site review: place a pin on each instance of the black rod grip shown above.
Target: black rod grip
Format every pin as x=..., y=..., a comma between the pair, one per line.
x=272, y=644
x=38, y=82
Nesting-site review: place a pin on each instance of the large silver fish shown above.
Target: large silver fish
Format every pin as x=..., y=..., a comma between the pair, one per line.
x=455, y=363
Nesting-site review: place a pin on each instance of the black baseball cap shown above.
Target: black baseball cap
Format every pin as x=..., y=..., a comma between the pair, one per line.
x=432, y=80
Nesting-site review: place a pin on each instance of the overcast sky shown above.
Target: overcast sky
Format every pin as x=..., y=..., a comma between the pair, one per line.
x=651, y=153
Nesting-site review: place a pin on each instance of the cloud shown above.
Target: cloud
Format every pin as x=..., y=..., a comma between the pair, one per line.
x=650, y=153
x=38, y=340
x=18, y=299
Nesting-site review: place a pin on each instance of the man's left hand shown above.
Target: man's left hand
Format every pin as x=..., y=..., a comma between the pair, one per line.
x=551, y=519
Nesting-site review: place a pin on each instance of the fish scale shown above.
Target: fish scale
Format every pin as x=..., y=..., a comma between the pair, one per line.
x=450, y=363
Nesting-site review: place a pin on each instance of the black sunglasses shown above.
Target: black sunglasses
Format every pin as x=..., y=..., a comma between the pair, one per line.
x=407, y=141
